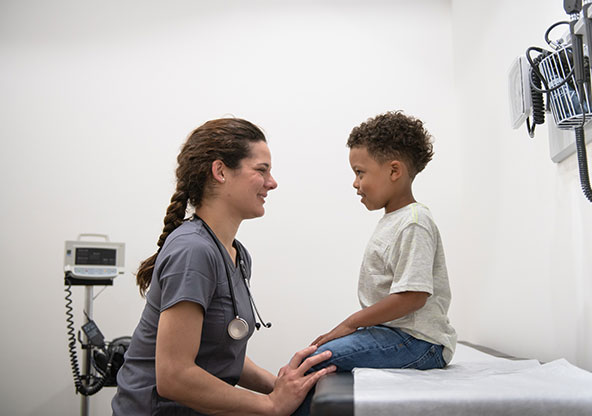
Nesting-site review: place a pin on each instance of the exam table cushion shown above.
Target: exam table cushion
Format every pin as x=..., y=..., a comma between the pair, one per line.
x=475, y=383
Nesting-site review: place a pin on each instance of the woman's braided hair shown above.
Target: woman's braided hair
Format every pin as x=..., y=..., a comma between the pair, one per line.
x=392, y=136
x=226, y=139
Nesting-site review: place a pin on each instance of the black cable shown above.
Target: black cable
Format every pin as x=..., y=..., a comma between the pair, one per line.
x=106, y=372
x=257, y=324
x=553, y=26
x=92, y=388
x=535, y=69
x=538, y=104
x=72, y=339
x=577, y=44
x=581, y=80
x=583, y=162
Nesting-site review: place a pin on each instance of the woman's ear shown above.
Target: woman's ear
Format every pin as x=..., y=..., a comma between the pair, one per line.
x=218, y=171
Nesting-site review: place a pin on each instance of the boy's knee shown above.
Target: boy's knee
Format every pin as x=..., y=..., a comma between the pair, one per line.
x=322, y=364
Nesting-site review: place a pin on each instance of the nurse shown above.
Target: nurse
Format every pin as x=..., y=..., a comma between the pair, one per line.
x=187, y=353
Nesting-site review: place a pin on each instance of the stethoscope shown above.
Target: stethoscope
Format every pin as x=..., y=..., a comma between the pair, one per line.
x=238, y=328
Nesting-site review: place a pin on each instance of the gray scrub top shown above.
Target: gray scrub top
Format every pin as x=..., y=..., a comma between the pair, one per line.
x=189, y=267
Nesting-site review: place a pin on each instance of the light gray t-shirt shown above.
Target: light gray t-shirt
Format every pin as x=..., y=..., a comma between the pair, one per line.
x=189, y=267
x=405, y=253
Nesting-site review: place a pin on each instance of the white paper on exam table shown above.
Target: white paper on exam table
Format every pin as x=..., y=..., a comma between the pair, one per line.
x=475, y=383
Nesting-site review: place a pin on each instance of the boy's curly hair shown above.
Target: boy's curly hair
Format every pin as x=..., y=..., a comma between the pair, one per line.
x=395, y=136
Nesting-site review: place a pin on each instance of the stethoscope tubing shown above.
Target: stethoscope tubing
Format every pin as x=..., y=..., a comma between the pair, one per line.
x=252, y=299
x=238, y=328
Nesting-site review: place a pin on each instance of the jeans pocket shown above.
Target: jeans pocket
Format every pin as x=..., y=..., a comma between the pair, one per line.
x=431, y=359
x=389, y=338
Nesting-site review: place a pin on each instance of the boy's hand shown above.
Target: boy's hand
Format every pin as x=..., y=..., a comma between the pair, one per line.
x=388, y=309
x=339, y=331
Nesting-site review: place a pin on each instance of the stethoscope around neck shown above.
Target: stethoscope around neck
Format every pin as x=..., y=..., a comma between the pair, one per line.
x=238, y=328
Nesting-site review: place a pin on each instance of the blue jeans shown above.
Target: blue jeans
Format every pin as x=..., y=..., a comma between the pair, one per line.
x=377, y=347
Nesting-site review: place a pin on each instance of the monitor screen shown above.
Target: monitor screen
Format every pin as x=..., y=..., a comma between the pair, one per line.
x=95, y=256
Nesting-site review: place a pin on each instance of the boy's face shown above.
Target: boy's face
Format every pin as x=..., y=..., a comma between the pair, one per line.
x=374, y=180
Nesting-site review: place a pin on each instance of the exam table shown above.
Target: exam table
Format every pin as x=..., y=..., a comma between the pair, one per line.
x=466, y=386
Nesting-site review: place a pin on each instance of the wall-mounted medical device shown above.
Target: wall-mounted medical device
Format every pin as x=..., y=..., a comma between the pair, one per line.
x=88, y=262
x=519, y=92
x=562, y=74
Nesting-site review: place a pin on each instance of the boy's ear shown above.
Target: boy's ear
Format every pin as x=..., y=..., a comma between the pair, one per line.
x=396, y=169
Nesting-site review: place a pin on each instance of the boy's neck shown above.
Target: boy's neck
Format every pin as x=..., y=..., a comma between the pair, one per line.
x=399, y=202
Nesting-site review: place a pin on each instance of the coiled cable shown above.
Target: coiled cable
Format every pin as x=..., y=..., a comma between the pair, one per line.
x=583, y=162
x=538, y=104
x=582, y=79
x=80, y=387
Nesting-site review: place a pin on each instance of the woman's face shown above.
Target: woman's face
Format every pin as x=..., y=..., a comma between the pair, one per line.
x=247, y=186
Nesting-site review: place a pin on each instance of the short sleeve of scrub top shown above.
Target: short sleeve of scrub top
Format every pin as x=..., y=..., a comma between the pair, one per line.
x=189, y=267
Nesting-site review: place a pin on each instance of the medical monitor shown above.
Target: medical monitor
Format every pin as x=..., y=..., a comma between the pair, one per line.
x=94, y=260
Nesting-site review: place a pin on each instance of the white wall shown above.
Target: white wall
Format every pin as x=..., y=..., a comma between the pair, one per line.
x=523, y=277
x=97, y=99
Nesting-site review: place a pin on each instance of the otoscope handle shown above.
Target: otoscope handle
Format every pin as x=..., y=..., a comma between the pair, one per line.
x=572, y=6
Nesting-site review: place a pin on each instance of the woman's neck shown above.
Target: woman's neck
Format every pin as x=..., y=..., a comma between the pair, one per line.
x=221, y=224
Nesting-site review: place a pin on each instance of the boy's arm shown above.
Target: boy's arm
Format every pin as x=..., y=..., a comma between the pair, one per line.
x=394, y=306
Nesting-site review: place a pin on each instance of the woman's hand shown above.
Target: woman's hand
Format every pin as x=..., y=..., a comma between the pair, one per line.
x=293, y=383
x=339, y=331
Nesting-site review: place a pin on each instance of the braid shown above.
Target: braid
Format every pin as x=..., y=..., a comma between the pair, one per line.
x=227, y=140
x=175, y=214
x=174, y=217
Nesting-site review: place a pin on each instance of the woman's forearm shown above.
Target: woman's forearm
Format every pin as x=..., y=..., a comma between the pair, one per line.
x=178, y=378
x=196, y=388
x=199, y=390
x=256, y=378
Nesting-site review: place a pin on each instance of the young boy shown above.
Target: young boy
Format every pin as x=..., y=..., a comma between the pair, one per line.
x=403, y=285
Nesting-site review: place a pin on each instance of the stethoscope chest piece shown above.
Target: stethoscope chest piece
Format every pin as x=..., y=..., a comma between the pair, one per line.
x=238, y=328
